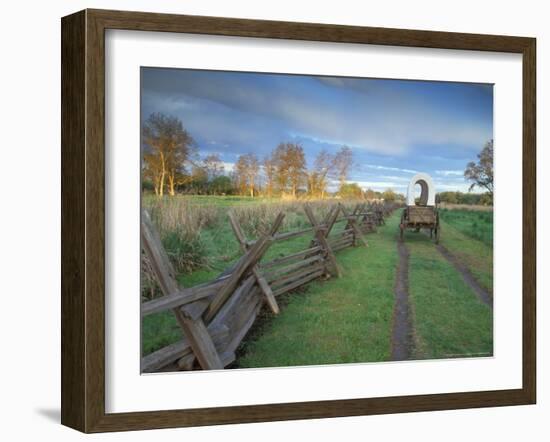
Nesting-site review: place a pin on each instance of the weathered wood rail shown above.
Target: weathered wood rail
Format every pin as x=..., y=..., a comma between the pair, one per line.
x=216, y=316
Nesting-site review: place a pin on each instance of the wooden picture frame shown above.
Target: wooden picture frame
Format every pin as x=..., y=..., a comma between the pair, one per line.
x=83, y=220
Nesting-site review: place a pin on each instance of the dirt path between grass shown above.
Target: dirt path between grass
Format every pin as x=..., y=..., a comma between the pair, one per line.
x=402, y=325
x=480, y=292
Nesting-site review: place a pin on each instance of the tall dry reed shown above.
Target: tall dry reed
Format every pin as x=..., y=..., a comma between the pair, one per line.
x=179, y=223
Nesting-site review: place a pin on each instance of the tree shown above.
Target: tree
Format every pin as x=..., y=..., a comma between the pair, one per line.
x=253, y=170
x=486, y=199
x=317, y=177
x=343, y=163
x=313, y=183
x=449, y=197
x=221, y=185
x=389, y=195
x=290, y=167
x=198, y=179
x=247, y=168
x=269, y=171
x=296, y=162
x=240, y=174
x=481, y=173
x=281, y=172
x=153, y=171
x=169, y=146
x=370, y=194
x=350, y=191
x=213, y=166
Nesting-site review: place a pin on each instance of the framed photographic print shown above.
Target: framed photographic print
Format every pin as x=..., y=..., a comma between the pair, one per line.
x=270, y=220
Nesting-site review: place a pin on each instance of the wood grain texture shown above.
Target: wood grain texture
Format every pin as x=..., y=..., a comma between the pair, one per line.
x=73, y=252
x=83, y=219
x=248, y=260
x=292, y=257
x=179, y=298
x=321, y=234
x=194, y=24
x=353, y=225
x=529, y=220
x=166, y=355
x=95, y=221
x=264, y=286
x=192, y=325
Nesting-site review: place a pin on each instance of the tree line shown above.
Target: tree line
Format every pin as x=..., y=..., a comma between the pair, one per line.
x=483, y=199
x=172, y=164
x=284, y=171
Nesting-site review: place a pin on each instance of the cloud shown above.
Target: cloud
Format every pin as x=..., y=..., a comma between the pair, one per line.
x=453, y=187
x=215, y=127
x=394, y=169
x=380, y=119
x=395, y=178
x=379, y=184
x=228, y=167
x=449, y=173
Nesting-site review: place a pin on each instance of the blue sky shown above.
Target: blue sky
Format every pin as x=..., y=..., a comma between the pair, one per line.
x=394, y=127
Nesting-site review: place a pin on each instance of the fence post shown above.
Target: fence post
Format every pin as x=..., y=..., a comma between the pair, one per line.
x=321, y=237
x=194, y=329
x=262, y=283
x=331, y=220
x=248, y=260
x=351, y=223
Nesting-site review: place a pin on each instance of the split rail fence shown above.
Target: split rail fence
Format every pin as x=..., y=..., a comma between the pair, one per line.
x=216, y=316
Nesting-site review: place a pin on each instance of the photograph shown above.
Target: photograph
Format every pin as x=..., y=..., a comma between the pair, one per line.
x=303, y=220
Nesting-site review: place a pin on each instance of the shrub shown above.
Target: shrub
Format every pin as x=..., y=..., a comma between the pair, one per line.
x=179, y=224
x=185, y=250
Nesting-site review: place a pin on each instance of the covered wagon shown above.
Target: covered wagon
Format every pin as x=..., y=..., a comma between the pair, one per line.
x=421, y=214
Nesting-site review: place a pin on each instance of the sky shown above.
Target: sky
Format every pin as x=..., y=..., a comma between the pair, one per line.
x=395, y=128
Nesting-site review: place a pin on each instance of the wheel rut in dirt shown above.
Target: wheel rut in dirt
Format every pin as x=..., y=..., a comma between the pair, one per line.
x=469, y=279
x=402, y=330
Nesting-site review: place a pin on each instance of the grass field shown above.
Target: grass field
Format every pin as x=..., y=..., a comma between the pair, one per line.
x=469, y=236
x=350, y=319
x=475, y=224
x=336, y=321
x=449, y=320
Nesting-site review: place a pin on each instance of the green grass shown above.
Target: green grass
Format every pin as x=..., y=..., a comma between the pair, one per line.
x=474, y=224
x=468, y=234
x=159, y=330
x=337, y=321
x=450, y=321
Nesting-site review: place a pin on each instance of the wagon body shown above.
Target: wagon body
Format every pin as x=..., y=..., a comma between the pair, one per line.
x=420, y=217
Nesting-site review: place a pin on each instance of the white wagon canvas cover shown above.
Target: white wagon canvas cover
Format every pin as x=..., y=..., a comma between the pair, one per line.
x=427, y=195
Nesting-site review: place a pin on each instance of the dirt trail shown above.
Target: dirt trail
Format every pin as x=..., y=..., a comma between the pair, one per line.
x=480, y=292
x=402, y=324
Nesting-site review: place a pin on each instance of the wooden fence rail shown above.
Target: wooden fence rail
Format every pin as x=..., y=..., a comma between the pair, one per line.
x=216, y=316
